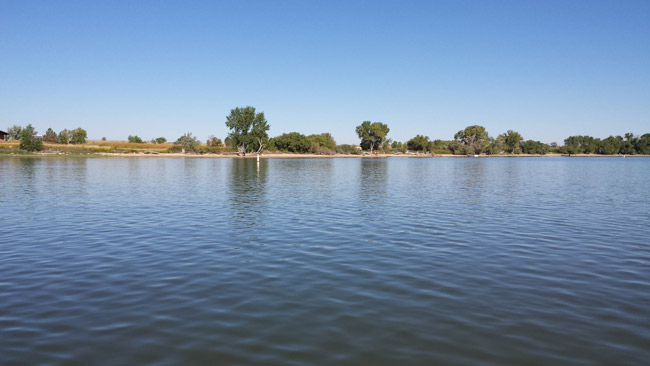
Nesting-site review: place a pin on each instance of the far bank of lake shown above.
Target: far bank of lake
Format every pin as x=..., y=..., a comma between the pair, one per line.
x=274, y=155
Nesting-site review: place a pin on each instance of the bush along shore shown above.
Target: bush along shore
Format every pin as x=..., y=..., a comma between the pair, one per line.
x=249, y=137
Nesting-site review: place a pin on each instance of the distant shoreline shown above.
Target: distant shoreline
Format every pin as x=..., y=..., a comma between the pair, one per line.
x=122, y=149
x=290, y=155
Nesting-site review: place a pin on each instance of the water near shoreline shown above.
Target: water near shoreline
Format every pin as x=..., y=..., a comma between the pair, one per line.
x=325, y=261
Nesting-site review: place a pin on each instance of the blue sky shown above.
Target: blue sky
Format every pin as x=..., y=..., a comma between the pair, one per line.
x=548, y=69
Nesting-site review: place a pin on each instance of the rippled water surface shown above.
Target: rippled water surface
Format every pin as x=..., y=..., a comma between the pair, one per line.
x=525, y=261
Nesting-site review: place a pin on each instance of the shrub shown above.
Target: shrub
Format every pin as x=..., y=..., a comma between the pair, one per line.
x=78, y=136
x=320, y=150
x=292, y=142
x=187, y=141
x=347, y=149
x=28, y=141
x=135, y=139
x=64, y=137
x=418, y=143
x=324, y=140
x=50, y=136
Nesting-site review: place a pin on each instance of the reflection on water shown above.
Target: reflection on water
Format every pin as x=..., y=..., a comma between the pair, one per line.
x=324, y=261
x=27, y=172
x=246, y=192
x=471, y=180
x=73, y=171
x=372, y=180
x=510, y=180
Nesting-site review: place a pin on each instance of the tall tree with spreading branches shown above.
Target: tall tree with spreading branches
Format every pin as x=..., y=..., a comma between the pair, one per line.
x=473, y=138
x=372, y=134
x=248, y=130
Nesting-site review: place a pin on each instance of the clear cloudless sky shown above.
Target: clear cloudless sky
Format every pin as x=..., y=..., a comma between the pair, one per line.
x=547, y=69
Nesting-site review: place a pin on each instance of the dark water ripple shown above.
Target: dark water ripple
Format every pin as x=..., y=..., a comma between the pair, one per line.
x=337, y=261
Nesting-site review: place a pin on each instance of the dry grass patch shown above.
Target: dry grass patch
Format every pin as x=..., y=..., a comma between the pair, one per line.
x=95, y=146
x=9, y=146
x=130, y=145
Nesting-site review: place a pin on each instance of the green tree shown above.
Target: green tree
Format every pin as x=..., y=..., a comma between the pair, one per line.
x=609, y=146
x=15, y=132
x=398, y=146
x=628, y=145
x=187, y=142
x=213, y=141
x=386, y=145
x=440, y=146
x=496, y=145
x=50, y=136
x=160, y=140
x=642, y=144
x=473, y=139
x=627, y=148
x=292, y=142
x=134, y=139
x=229, y=143
x=247, y=129
x=456, y=147
x=78, y=136
x=512, y=142
x=534, y=147
x=572, y=144
x=28, y=140
x=323, y=140
x=372, y=134
x=580, y=144
x=418, y=143
x=64, y=137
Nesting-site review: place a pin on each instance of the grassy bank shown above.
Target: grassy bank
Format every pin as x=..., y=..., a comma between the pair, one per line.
x=94, y=147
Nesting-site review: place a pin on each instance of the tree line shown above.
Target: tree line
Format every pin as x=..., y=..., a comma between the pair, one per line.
x=30, y=141
x=249, y=134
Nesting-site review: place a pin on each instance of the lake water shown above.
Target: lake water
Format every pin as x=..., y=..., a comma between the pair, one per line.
x=451, y=261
